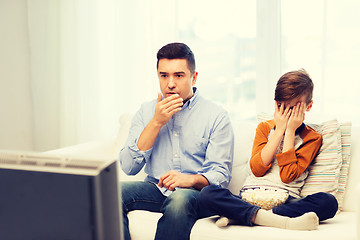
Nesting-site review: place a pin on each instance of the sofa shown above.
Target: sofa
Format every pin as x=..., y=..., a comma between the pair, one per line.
x=340, y=141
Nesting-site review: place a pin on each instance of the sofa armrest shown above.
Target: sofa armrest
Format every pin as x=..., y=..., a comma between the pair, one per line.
x=106, y=149
x=96, y=149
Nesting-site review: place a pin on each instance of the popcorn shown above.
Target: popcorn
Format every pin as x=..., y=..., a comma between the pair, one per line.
x=266, y=198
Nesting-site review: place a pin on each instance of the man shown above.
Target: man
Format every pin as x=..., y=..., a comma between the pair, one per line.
x=185, y=143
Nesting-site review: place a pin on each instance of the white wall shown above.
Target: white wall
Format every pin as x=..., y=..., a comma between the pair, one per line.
x=15, y=97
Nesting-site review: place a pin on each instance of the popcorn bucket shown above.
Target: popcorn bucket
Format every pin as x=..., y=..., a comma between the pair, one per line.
x=264, y=197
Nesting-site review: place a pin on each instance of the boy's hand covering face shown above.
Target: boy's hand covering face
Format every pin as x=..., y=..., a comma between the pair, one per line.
x=297, y=116
x=281, y=115
x=289, y=117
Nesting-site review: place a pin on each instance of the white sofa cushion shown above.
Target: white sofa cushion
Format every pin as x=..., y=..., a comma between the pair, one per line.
x=244, y=136
x=142, y=226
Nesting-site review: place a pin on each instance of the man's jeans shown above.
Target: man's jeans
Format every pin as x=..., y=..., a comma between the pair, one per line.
x=180, y=210
x=222, y=202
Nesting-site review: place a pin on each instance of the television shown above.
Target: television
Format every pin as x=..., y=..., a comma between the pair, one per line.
x=53, y=197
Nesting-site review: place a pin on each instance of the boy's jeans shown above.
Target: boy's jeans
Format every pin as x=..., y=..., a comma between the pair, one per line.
x=222, y=202
x=180, y=210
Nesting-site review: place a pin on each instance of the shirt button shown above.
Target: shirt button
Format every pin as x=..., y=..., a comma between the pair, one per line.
x=176, y=135
x=176, y=155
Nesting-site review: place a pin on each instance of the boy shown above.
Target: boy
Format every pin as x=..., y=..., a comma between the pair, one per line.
x=282, y=151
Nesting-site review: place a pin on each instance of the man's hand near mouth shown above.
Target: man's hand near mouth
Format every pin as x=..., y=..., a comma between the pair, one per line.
x=167, y=107
x=164, y=110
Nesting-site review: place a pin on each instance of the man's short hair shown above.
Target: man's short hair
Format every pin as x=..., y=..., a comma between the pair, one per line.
x=177, y=51
x=294, y=84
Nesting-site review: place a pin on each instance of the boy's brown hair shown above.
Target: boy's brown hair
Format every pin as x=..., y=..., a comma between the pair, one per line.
x=294, y=84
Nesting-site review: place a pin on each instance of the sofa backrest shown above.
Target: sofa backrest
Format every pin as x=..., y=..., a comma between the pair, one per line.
x=244, y=136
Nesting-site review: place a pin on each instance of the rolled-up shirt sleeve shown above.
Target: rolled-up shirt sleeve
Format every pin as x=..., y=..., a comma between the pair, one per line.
x=218, y=162
x=131, y=158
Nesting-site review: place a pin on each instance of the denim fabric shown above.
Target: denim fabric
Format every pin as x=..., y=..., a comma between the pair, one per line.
x=323, y=204
x=180, y=210
x=222, y=202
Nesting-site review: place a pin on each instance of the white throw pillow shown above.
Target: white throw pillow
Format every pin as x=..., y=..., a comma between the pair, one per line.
x=324, y=171
x=346, y=157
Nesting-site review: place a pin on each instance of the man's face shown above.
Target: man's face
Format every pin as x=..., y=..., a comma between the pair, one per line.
x=175, y=78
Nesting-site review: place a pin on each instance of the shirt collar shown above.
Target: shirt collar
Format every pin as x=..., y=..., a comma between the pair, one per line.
x=193, y=100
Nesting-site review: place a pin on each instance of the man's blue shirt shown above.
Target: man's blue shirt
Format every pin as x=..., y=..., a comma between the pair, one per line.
x=199, y=139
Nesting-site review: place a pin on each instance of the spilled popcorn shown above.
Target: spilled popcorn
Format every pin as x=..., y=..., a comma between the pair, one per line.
x=266, y=198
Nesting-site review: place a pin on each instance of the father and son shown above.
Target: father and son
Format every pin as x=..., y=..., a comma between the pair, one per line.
x=186, y=144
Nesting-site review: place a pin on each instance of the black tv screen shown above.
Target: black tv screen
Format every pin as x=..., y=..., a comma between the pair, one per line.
x=53, y=197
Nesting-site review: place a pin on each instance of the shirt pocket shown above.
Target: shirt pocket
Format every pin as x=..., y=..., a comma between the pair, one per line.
x=195, y=146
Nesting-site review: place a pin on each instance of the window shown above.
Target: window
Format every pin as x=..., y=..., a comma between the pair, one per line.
x=323, y=38
x=222, y=35
x=102, y=54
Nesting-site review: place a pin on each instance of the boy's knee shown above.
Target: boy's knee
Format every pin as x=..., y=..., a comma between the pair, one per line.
x=208, y=191
x=328, y=199
x=207, y=195
x=329, y=204
x=332, y=203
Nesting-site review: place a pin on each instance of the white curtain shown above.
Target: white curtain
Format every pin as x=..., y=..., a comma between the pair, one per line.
x=16, y=126
x=323, y=37
x=93, y=60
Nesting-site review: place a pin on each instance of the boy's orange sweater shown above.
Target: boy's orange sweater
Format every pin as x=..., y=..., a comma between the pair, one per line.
x=288, y=169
